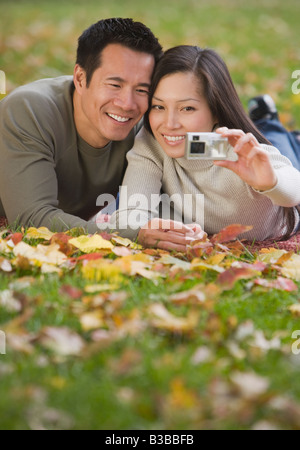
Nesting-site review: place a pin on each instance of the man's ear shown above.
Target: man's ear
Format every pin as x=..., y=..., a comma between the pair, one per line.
x=79, y=78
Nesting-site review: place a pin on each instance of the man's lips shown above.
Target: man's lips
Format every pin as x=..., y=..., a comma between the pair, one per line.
x=119, y=119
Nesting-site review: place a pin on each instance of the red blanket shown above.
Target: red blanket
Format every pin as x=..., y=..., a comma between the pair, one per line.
x=292, y=244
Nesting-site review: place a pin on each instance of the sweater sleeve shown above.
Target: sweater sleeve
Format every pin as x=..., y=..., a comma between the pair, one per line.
x=140, y=191
x=286, y=192
x=28, y=182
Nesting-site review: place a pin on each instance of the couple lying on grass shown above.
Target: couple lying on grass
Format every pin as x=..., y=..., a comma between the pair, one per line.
x=192, y=91
x=65, y=141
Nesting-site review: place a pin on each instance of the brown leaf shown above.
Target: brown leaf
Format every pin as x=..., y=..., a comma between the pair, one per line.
x=229, y=277
x=62, y=240
x=230, y=233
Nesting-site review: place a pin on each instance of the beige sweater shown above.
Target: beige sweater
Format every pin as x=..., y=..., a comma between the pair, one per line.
x=202, y=192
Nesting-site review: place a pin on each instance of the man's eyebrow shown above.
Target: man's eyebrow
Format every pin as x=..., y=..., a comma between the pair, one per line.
x=121, y=80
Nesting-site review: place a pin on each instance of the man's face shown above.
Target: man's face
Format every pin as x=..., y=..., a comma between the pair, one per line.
x=116, y=98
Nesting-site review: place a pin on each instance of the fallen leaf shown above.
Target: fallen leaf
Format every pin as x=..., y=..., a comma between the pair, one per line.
x=249, y=384
x=41, y=254
x=270, y=256
x=39, y=233
x=99, y=270
x=5, y=265
x=230, y=233
x=295, y=309
x=229, y=277
x=291, y=267
x=92, y=288
x=92, y=320
x=88, y=244
x=61, y=340
x=171, y=260
x=62, y=239
x=280, y=283
x=161, y=318
x=9, y=302
x=71, y=291
x=200, y=264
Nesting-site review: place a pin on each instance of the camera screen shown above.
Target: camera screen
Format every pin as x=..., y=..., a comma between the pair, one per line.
x=197, y=148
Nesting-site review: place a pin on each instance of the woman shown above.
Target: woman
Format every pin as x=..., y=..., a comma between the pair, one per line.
x=192, y=91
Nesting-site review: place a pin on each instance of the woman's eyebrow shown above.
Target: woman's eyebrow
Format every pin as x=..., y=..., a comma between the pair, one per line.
x=178, y=101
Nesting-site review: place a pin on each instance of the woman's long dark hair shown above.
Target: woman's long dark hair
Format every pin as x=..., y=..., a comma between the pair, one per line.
x=216, y=85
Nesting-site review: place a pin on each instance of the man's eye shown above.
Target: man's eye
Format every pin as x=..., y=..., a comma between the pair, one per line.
x=143, y=91
x=115, y=85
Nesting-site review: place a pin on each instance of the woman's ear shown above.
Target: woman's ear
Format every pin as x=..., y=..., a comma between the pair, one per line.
x=79, y=78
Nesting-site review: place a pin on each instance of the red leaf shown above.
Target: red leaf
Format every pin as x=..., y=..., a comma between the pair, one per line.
x=71, y=291
x=16, y=237
x=230, y=233
x=228, y=278
x=281, y=283
x=89, y=257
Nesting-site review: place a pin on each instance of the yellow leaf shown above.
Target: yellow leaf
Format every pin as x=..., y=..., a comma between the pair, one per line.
x=168, y=259
x=125, y=242
x=48, y=254
x=101, y=270
x=295, y=309
x=199, y=264
x=271, y=256
x=163, y=319
x=92, y=288
x=39, y=233
x=92, y=320
x=291, y=268
x=88, y=244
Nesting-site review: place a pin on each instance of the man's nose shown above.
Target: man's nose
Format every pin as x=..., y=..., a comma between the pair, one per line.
x=125, y=100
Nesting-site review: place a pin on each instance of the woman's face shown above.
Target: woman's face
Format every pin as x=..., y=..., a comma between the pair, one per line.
x=178, y=107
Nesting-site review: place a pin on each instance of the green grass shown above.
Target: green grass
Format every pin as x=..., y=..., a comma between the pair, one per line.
x=149, y=379
x=146, y=377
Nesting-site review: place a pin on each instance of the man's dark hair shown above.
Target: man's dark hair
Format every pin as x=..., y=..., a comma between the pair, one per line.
x=126, y=32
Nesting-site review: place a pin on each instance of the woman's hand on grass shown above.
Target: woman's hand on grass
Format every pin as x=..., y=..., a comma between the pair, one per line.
x=169, y=234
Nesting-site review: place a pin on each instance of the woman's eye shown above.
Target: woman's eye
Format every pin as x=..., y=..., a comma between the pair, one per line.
x=189, y=108
x=157, y=107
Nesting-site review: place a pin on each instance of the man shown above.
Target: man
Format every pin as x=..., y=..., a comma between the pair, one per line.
x=63, y=141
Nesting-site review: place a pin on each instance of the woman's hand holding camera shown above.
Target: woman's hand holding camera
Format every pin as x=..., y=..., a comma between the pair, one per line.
x=253, y=165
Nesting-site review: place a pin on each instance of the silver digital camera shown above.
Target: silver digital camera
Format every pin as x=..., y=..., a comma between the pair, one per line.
x=206, y=146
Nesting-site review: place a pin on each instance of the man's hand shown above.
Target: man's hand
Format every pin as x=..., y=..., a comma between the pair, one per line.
x=169, y=234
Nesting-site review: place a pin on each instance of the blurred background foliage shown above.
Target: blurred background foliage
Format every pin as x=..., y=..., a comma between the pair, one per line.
x=258, y=39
